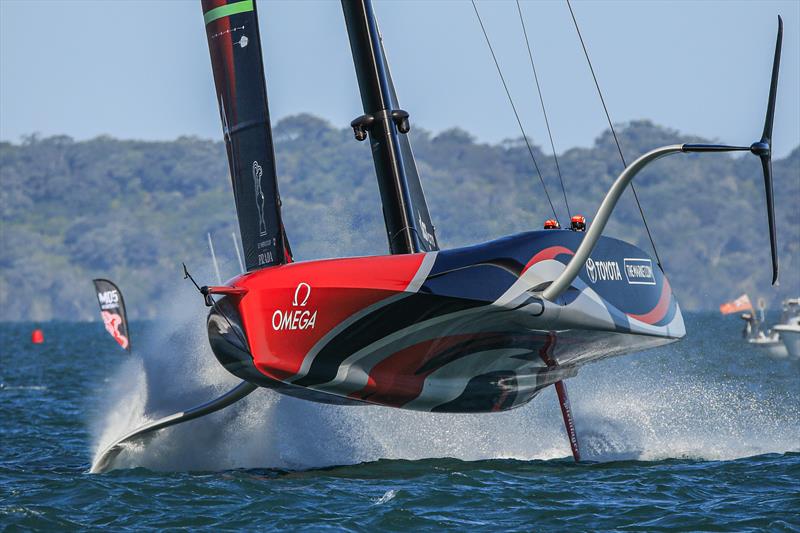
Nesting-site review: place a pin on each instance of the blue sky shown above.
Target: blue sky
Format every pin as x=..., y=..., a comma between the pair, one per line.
x=140, y=69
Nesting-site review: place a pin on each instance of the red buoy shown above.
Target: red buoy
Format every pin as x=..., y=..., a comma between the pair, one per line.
x=37, y=336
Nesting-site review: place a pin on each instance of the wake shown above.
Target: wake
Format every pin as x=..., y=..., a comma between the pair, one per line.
x=625, y=409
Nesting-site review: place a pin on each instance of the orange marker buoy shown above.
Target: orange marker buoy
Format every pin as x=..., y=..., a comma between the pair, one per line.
x=37, y=337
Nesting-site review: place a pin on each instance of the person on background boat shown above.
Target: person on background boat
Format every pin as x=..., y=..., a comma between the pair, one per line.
x=750, y=325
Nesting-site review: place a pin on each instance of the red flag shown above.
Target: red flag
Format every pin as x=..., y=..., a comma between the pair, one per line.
x=742, y=303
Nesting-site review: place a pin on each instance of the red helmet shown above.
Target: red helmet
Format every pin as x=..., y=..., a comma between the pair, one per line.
x=578, y=223
x=551, y=223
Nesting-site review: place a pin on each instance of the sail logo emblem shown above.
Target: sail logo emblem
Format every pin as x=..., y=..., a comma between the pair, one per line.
x=296, y=318
x=603, y=270
x=108, y=299
x=257, y=173
x=429, y=238
x=639, y=271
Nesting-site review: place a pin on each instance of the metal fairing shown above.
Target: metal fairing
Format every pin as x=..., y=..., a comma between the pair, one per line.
x=460, y=330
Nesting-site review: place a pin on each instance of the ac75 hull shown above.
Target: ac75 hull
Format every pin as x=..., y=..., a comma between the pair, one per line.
x=460, y=330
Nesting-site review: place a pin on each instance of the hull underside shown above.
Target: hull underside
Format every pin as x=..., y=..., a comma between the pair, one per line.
x=484, y=371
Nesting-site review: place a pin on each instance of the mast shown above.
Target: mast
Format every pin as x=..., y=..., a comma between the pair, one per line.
x=408, y=223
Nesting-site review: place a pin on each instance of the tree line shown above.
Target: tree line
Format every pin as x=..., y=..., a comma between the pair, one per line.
x=132, y=211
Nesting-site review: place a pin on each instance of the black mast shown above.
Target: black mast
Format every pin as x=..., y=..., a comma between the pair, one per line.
x=408, y=223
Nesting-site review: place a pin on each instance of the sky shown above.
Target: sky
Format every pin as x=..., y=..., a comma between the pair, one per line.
x=140, y=69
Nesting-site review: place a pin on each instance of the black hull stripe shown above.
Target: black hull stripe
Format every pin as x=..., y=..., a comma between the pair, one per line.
x=493, y=341
x=377, y=325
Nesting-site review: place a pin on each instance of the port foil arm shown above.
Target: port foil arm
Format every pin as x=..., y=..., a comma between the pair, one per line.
x=104, y=461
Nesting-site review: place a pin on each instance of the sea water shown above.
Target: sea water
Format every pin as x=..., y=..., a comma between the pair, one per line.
x=701, y=434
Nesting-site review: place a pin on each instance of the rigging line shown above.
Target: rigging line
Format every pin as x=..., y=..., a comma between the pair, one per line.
x=541, y=100
x=514, y=108
x=215, y=306
x=614, y=133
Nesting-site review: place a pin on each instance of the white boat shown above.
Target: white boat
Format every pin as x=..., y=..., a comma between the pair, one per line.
x=790, y=335
x=771, y=339
x=753, y=332
x=789, y=328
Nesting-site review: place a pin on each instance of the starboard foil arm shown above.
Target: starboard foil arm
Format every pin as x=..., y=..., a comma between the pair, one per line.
x=761, y=148
x=105, y=460
x=595, y=231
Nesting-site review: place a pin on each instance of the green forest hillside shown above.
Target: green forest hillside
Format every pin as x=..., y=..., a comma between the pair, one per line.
x=132, y=211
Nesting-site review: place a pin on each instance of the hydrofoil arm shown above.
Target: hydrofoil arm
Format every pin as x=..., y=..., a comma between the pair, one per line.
x=761, y=148
x=105, y=460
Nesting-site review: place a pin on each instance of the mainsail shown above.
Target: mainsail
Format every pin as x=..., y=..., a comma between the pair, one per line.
x=112, y=311
x=236, y=59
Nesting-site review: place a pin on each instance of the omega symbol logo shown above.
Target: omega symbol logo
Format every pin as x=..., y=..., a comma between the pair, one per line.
x=301, y=294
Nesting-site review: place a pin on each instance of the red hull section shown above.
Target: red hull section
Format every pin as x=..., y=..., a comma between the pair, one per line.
x=292, y=307
x=459, y=330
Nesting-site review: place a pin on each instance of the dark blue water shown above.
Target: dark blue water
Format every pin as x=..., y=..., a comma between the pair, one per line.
x=699, y=435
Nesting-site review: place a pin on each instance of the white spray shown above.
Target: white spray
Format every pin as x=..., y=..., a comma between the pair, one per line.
x=622, y=411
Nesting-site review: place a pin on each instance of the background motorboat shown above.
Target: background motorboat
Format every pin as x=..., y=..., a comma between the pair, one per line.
x=788, y=330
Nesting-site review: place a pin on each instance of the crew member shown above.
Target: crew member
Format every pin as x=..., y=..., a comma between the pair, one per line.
x=577, y=223
x=551, y=223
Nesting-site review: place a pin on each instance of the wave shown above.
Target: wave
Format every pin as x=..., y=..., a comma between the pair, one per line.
x=631, y=408
x=4, y=387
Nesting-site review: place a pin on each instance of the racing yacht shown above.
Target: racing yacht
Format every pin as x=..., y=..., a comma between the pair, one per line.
x=482, y=328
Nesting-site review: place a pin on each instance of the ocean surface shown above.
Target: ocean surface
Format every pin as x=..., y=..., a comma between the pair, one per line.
x=703, y=434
